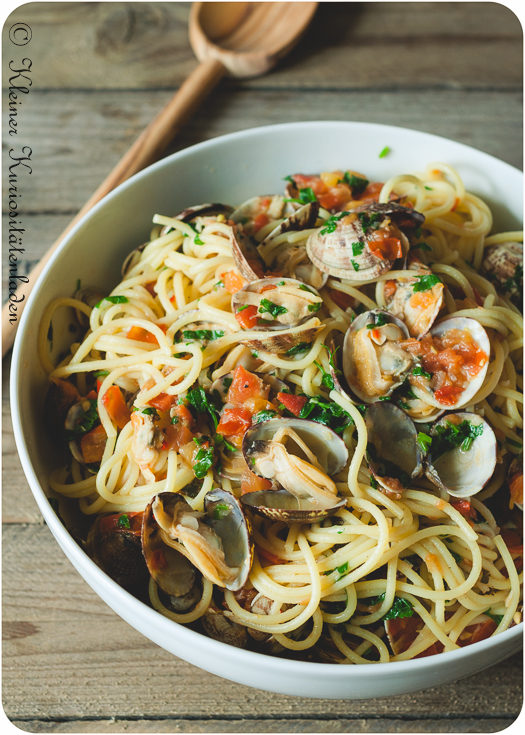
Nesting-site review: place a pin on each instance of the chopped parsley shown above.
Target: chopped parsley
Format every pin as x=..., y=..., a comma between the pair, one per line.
x=113, y=300
x=123, y=521
x=384, y=152
x=301, y=347
x=221, y=510
x=331, y=223
x=355, y=265
x=100, y=373
x=513, y=443
x=400, y=609
x=219, y=439
x=227, y=382
x=197, y=240
x=380, y=321
x=326, y=412
x=203, y=461
x=204, y=334
x=496, y=618
x=304, y=196
x=425, y=283
x=342, y=571
x=315, y=307
x=200, y=401
x=419, y=371
x=453, y=436
x=424, y=441
x=357, y=184
x=243, y=307
x=147, y=410
x=302, y=287
x=357, y=248
x=269, y=307
x=373, y=482
x=263, y=416
x=370, y=220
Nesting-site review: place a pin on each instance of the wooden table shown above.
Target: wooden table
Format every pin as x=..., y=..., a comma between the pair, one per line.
x=100, y=72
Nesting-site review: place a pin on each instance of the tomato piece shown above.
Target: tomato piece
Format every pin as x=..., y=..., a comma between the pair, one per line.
x=448, y=394
x=516, y=488
x=390, y=289
x=142, y=335
x=384, y=246
x=245, y=385
x=247, y=318
x=342, y=299
x=163, y=401
x=267, y=288
x=466, y=509
x=293, y=403
x=477, y=632
x=232, y=281
x=260, y=221
x=92, y=395
x=177, y=435
x=92, y=445
x=184, y=415
x=114, y=403
x=421, y=299
x=234, y=421
x=336, y=197
x=251, y=483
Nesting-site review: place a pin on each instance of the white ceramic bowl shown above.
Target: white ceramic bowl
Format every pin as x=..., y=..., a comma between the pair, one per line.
x=230, y=169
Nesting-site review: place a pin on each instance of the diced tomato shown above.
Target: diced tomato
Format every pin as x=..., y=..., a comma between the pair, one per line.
x=92, y=445
x=247, y=318
x=342, y=299
x=245, y=385
x=371, y=193
x=251, y=483
x=232, y=282
x=234, y=421
x=114, y=403
x=336, y=197
x=267, y=288
x=260, y=221
x=293, y=403
x=477, y=632
x=384, y=246
x=177, y=435
x=513, y=541
x=421, y=299
x=268, y=556
x=92, y=395
x=163, y=401
x=448, y=394
x=516, y=488
x=255, y=404
x=109, y=523
x=466, y=509
x=390, y=289
x=184, y=415
x=142, y=335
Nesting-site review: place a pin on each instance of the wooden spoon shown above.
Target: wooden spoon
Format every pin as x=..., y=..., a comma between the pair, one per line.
x=243, y=39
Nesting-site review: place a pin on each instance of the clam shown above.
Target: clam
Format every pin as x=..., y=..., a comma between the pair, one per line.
x=299, y=456
x=393, y=454
x=61, y=395
x=91, y=296
x=273, y=206
x=217, y=626
x=215, y=541
x=131, y=260
x=303, y=218
x=201, y=331
x=200, y=210
x=374, y=361
x=222, y=385
x=503, y=265
x=285, y=311
x=246, y=256
x=363, y=244
x=462, y=456
x=455, y=382
x=417, y=309
x=113, y=543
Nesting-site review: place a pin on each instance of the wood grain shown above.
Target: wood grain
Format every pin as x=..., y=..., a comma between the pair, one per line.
x=349, y=46
x=81, y=137
x=69, y=653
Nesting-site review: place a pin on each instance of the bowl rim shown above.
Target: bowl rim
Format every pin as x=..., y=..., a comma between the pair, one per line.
x=72, y=550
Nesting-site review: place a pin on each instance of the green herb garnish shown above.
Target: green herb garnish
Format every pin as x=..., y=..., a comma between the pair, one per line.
x=419, y=371
x=200, y=401
x=301, y=347
x=357, y=184
x=453, y=436
x=263, y=416
x=326, y=412
x=203, y=461
x=425, y=283
x=221, y=510
x=380, y=321
x=384, y=152
x=496, y=618
x=424, y=441
x=269, y=307
x=86, y=421
x=113, y=300
x=330, y=224
x=422, y=246
x=203, y=334
x=357, y=248
x=400, y=609
x=355, y=265
x=123, y=521
x=315, y=307
x=100, y=373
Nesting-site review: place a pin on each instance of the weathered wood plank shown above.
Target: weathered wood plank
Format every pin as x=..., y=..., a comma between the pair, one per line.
x=144, y=45
x=77, y=138
x=67, y=654
x=380, y=725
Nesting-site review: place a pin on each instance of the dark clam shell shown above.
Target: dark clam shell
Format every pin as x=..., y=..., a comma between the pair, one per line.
x=280, y=505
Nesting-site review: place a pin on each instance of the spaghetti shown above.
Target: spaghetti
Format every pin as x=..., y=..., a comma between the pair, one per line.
x=390, y=575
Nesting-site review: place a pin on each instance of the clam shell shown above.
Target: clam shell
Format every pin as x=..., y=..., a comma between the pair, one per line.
x=248, y=210
x=392, y=447
x=479, y=335
x=200, y=210
x=278, y=337
x=246, y=256
x=382, y=377
x=499, y=265
x=418, y=318
x=280, y=505
x=302, y=219
x=463, y=474
x=131, y=260
x=345, y=252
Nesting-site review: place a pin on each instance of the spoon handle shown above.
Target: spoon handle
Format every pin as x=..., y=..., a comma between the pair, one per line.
x=145, y=150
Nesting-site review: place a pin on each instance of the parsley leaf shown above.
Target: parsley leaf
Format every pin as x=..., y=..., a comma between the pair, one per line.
x=199, y=399
x=424, y=441
x=204, y=334
x=355, y=265
x=326, y=412
x=452, y=436
x=221, y=510
x=330, y=224
x=203, y=461
x=123, y=521
x=400, y=609
x=113, y=300
x=269, y=307
x=263, y=416
x=422, y=246
x=425, y=283
x=496, y=618
x=315, y=307
x=419, y=371
x=380, y=321
x=357, y=184
x=357, y=248
x=301, y=347
x=384, y=152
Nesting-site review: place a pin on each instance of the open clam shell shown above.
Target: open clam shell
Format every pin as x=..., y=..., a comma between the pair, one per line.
x=503, y=265
x=272, y=205
x=246, y=256
x=462, y=471
x=285, y=309
x=90, y=295
x=222, y=385
x=299, y=456
x=200, y=210
x=374, y=363
x=302, y=219
x=467, y=339
x=393, y=455
x=280, y=505
x=363, y=244
x=176, y=539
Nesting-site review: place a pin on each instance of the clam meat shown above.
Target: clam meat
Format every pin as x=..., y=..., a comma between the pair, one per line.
x=503, y=265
